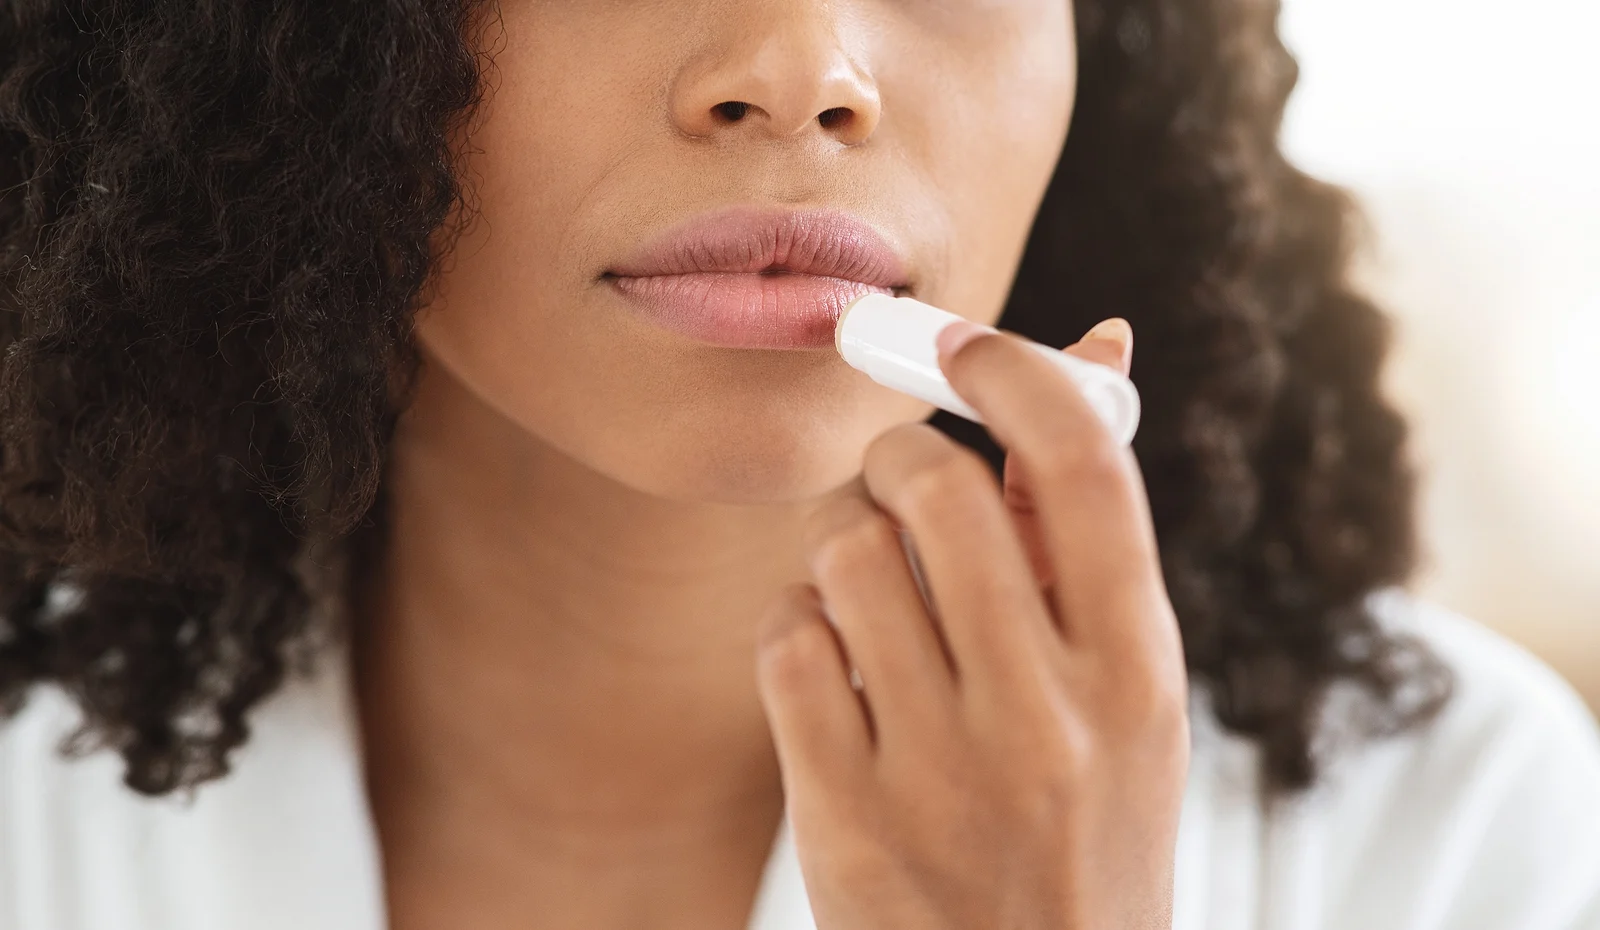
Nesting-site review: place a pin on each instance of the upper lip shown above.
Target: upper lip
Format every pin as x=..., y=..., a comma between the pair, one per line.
x=820, y=242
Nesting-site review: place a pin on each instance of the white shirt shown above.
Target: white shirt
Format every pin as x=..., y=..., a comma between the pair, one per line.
x=1487, y=819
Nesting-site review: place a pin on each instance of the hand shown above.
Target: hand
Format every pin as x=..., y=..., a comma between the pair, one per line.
x=1016, y=757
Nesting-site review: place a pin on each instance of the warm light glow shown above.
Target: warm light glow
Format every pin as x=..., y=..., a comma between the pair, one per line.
x=1469, y=130
x=1557, y=385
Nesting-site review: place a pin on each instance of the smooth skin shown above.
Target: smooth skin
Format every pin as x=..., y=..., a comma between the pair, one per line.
x=1019, y=761
x=559, y=684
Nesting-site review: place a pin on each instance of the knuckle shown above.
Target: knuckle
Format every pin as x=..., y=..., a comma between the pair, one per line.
x=1153, y=718
x=797, y=607
x=1165, y=708
x=1071, y=751
x=896, y=444
x=1146, y=698
x=1043, y=786
x=853, y=537
x=946, y=484
x=1048, y=737
x=1079, y=457
x=791, y=656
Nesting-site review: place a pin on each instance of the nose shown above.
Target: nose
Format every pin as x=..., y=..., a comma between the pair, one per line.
x=778, y=69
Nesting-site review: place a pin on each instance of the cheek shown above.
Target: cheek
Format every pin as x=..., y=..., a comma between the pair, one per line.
x=567, y=104
x=994, y=118
x=554, y=125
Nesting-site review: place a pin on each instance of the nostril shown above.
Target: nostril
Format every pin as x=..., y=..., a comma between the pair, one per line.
x=833, y=116
x=735, y=110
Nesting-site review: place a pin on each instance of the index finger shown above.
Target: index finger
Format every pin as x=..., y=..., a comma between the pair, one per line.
x=1091, y=506
x=1114, y=352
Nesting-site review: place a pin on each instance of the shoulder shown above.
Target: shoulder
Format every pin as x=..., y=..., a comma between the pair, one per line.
x=282, y=840
x=1511, y=719
x=1491, y=811
x=1495, y=677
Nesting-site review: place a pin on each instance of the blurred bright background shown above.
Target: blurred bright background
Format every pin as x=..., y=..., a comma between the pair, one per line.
x=1470, y=131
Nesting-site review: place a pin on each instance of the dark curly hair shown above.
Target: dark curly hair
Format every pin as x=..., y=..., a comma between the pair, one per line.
x=218, y=217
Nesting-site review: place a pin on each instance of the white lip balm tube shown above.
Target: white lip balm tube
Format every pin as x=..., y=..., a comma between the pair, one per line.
x=891, y=340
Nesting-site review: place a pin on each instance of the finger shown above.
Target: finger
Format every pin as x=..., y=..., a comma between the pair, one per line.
x=1090, y=508
x=820, y=727
x=1109, y=344
x=988, y=604
x=1025, y=517
x=866, y=584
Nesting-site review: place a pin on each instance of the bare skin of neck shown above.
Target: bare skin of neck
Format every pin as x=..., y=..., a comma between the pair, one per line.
x=557, y=687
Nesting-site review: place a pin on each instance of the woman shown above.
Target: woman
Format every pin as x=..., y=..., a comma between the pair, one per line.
x=423, y=450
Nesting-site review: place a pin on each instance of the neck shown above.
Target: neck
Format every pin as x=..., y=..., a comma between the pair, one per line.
x=559, y=653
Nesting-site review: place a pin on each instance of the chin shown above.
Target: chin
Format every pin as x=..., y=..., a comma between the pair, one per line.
x=782, y=457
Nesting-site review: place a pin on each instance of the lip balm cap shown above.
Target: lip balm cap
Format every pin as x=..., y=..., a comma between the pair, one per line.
x=892, y=341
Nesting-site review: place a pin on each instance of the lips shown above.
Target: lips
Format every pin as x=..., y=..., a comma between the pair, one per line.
x=751, y=277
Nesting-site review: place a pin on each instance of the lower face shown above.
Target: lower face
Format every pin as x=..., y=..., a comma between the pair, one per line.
x=930, y=128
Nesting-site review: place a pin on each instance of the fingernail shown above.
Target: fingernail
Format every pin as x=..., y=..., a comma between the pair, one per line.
x=956, y=335
x=1115, y=330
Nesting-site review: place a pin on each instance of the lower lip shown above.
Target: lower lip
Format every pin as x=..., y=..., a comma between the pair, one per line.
x=746, y=310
